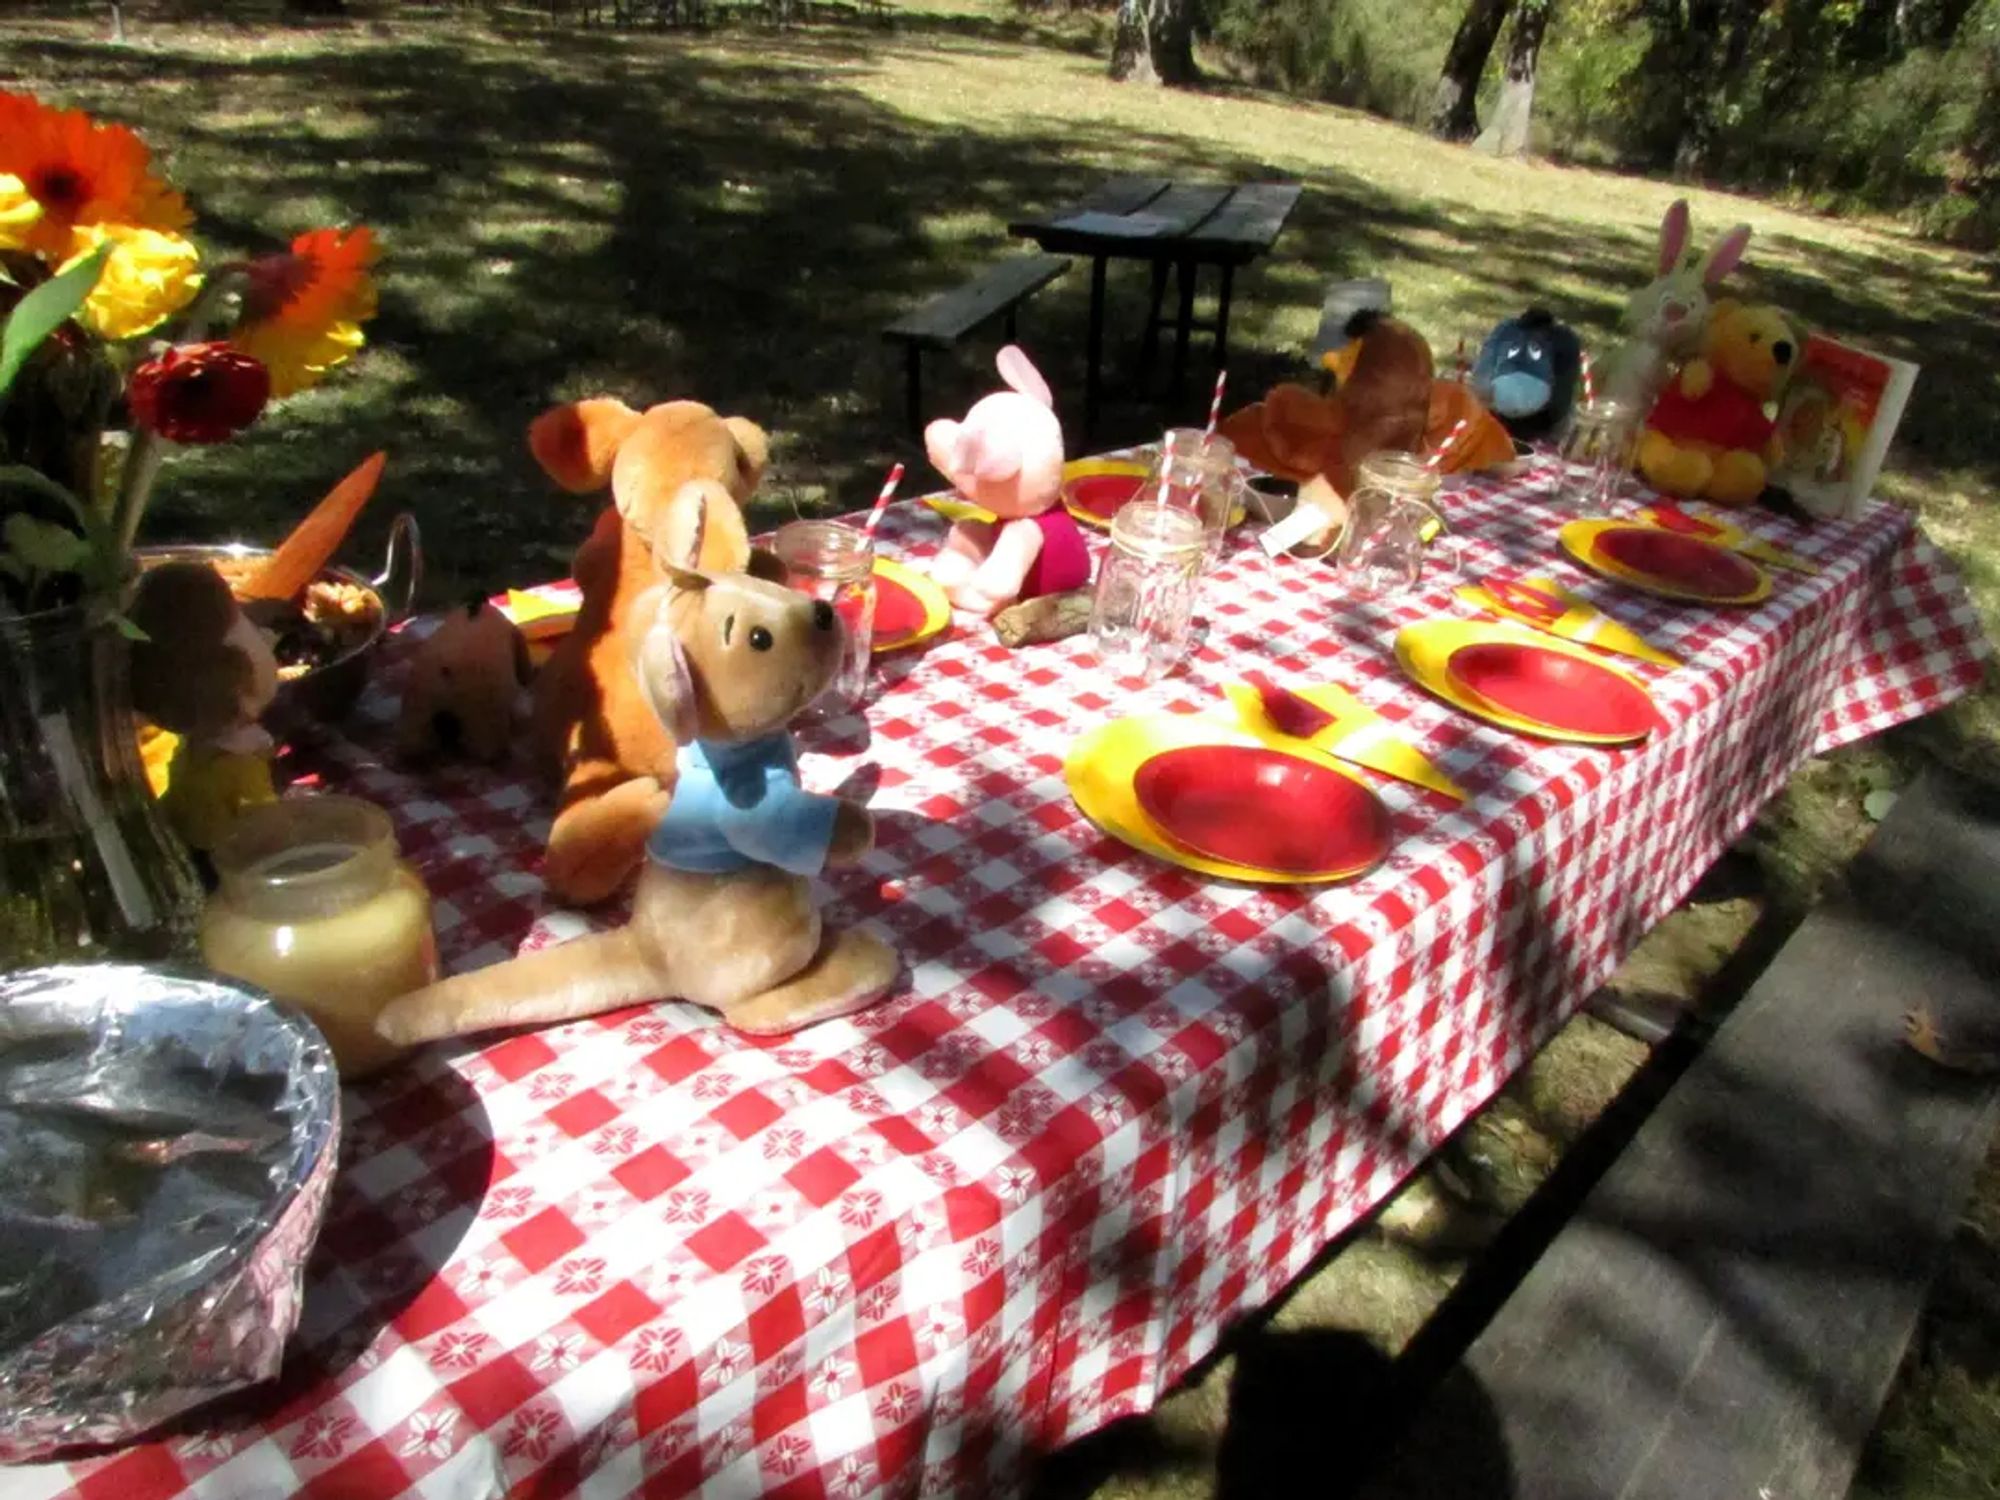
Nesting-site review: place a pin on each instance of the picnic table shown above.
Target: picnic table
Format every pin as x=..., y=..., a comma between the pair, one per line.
x=1113, y=1107
x=1186, y=225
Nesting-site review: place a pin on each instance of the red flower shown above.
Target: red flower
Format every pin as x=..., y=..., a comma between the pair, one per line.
x=199, y=393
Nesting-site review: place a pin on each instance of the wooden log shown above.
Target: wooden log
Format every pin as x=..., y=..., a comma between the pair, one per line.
x=1049, y=618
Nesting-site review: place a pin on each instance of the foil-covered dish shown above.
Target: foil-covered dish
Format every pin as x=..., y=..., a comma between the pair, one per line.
x=166, y=1144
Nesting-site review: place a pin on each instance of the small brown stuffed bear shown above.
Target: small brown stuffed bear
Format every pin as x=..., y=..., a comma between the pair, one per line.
x=723, y=915
x=593, y=730
x=463, y=683
x=207, y=674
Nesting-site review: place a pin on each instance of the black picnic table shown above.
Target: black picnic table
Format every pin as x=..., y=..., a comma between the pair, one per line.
x=1185, y=225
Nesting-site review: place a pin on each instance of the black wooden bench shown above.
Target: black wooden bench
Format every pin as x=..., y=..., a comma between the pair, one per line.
x=1724, y=1313
x=940, y=323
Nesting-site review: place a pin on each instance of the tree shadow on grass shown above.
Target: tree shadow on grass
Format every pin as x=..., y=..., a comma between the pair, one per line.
x=563, y=213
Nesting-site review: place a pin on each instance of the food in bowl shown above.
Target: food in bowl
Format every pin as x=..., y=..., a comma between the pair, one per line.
x=331, y=618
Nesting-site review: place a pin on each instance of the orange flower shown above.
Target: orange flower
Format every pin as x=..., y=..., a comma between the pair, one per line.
x=81, y=173
x=303, y=309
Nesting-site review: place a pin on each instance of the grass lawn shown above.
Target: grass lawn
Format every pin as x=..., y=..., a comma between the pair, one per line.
x=734, y=214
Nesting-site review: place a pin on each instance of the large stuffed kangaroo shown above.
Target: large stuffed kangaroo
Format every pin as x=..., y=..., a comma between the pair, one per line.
x=723, y=915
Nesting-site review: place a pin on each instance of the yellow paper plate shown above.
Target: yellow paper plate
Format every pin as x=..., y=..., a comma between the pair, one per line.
x=1424, y=651
x=1100, y=769
x=937, y=608
x=1096, y=468
x=1579, y=539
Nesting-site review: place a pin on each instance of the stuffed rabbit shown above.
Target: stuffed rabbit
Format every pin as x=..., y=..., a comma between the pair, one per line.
x=1664, y=321
x=1006, y=457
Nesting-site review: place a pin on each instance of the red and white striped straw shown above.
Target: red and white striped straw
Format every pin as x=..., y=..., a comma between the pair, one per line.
x=1166, y=464
x=1444, y=448
x=1589, y=386
x=1215, y=403
x=882, y=501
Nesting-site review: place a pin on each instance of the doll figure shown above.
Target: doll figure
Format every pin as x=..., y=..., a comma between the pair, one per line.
x=1006, y=457
x=205, y=673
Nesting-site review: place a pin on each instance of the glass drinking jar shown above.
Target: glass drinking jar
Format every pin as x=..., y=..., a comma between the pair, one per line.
x=317, y=908
x=835, y=562
x=1598, y=451
x=1199, y=473
x=1142, y=616
x=1391, y=517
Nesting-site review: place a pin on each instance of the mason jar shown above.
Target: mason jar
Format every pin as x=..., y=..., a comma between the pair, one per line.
x=316, y=907
x=1391, y=517
x=835, y=562
x=1200, y=473
x=1598, y=451
x=1142, y=615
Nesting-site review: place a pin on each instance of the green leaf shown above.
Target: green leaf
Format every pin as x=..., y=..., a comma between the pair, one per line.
x=44, y=310
x=43, y=545
x=130, y=630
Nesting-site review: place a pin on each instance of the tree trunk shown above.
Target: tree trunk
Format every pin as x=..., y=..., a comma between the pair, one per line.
x=1154, y=42
x=1507, y=134
x=1454, y=106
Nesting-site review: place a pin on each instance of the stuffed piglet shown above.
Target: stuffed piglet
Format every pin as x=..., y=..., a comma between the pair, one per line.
x=1006, y=458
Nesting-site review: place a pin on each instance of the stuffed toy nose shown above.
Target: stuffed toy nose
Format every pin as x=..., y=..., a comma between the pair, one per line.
x=1520, y=395
x=1782, y=351
x=822, y=615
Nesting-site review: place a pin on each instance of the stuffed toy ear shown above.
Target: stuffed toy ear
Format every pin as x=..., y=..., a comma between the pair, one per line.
x=576, y=443
x=1724, y=257
x=702, y=530
x=662, y=665
x=1673, y=235
x=754, y=452
x=1019, y=372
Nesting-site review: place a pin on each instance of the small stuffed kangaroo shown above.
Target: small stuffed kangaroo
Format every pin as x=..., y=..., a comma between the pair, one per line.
x=723, y=915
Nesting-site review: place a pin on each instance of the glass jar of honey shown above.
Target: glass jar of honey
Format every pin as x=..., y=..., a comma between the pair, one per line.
x=316, y=907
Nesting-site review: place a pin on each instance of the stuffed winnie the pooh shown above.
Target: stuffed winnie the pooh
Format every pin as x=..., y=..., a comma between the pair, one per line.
x=1709, y=437
x=593, y=730
x=723, y=915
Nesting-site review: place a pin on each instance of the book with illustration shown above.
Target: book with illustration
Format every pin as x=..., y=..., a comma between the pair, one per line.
x=1835, y=422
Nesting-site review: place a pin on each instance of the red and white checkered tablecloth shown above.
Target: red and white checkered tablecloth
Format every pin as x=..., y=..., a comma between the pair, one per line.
x=1114, y=1106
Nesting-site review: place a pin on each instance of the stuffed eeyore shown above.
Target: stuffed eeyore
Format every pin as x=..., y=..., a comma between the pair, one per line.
x=1527, y=373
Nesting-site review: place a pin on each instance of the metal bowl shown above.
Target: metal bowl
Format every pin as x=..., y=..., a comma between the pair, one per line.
x=167, y=1141
x=328, y=691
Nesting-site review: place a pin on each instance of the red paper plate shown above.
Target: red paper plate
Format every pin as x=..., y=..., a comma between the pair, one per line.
x=1263, y=809
x=1684, y=562
x=898, y=611
x=1552, y=687
x=1102, y=494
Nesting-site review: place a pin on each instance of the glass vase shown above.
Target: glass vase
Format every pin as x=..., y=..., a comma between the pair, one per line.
x=89, y=868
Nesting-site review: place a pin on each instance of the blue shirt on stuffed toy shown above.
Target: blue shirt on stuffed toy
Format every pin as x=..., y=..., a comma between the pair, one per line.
x=1527, y=373
x=740, y=805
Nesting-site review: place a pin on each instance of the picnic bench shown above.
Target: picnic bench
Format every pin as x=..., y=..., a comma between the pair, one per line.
x=1724, y=1313
x=1178, y=226
x=996, y=292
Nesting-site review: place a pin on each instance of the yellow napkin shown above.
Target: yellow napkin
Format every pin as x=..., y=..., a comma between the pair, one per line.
x=1357, y=734
x=539, y=617
x=1712, y=529
x=1543, y=604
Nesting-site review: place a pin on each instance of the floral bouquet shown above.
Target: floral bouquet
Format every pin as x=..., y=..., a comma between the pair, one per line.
x=114, y=322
